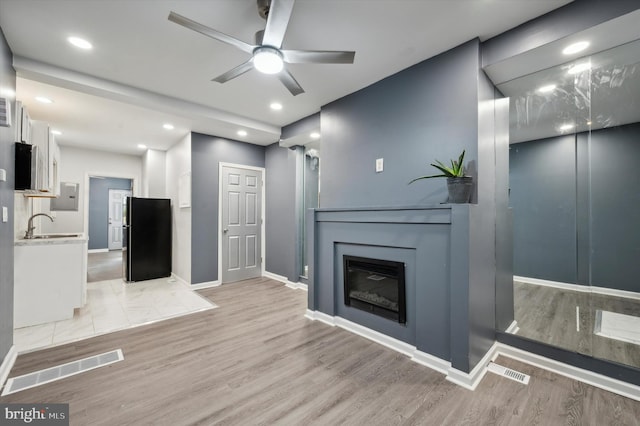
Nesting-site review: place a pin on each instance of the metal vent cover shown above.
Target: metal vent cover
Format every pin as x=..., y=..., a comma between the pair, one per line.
x=37, y=378
x=509, y=373
x=5, y=112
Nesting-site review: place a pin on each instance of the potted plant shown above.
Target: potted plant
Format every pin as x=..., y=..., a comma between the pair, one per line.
x=458, y=185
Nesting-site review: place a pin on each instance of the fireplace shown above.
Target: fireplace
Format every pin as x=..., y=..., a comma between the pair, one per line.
x=376, y=286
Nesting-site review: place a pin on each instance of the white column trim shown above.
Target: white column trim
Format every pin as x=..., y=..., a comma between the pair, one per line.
x=7, y=364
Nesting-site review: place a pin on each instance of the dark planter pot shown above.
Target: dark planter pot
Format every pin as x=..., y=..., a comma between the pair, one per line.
x=459, y=189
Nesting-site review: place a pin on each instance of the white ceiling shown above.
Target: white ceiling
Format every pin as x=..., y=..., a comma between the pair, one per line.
x=145, y=70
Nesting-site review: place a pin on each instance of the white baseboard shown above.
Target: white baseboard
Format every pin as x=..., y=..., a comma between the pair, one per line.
x=589, y=377
x=180, y=280
x=285, y=280
x=382, y=339
x=198, y=286
x=471, y=380
x=513, y=328
x=320, y=316
x=207, y=284
x=98, y=251
x=7, y=364
x=580, y=288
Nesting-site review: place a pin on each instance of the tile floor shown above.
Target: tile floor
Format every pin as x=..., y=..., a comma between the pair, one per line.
x=114, y=305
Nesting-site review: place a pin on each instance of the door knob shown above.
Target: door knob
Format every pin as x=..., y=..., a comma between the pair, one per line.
x=225, y=230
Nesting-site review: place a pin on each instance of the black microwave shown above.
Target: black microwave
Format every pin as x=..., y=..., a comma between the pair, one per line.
x=26, y=166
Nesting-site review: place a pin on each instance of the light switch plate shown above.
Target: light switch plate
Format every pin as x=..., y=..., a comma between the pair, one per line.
x=3, y=175
x=379, y=165
x=5, y=214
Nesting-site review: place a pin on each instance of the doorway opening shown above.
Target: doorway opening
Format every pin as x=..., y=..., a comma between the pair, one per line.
x=106, y=209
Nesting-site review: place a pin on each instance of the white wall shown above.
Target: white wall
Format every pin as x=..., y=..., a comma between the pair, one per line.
x=154, y=172
x=178, y=161
x=22, y=210
x=76, y=165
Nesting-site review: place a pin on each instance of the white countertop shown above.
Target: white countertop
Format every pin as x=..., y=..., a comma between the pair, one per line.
x=78, y=238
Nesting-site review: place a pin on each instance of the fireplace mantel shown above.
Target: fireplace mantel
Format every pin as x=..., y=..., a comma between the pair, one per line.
x=443, y=255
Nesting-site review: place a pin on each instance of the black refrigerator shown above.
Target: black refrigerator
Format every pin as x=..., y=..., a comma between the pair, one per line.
x=146, y=242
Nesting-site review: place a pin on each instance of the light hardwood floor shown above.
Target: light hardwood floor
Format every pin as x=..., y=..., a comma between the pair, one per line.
x=257, y=360
x=104, y=266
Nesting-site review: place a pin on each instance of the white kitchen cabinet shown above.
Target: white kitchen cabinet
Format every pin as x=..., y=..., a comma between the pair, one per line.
x=50, y=279
x=22, y=124
x=48, y=156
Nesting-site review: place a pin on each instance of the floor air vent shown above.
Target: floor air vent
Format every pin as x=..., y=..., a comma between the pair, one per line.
x=508, y=373
x=37, y=378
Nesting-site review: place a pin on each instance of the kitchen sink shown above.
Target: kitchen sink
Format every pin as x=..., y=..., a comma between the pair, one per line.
x=42, y=237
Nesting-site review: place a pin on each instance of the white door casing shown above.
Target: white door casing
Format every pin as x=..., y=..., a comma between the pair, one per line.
x=117, y=199
x=241, y=224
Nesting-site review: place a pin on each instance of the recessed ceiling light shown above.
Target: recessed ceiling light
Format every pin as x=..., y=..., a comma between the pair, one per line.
x=314, y=135
x=80, y=43
x=56, y=132
x=579, y=68
x=142, y=146
x=567, y=126
x=548, y=88
x=44, y=100
x=242, y=133
x=588, y=123
x=575, y=47
x=276, y=106
x=168, y=126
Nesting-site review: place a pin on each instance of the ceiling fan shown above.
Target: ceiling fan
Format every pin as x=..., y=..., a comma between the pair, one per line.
x=267, y=55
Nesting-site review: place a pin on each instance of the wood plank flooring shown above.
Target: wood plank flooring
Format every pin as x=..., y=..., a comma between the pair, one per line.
x=257, y=360
x=104, y=266
x=548, y=315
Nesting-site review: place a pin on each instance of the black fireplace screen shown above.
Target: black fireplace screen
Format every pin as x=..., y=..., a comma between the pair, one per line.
x=375, y=286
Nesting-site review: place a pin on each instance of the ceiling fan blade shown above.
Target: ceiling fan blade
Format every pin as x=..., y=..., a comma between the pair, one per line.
x=277, y=21
x=290, y=83
x=210, y=32
x=235, y=72
x=318, y=57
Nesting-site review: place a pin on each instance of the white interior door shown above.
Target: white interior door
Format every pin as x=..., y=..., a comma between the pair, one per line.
x=241, y=224
x=117, y=198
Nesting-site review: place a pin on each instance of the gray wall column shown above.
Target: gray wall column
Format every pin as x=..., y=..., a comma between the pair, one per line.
x=7, y=81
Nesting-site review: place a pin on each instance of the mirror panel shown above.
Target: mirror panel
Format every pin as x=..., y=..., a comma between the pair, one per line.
x=575, y=199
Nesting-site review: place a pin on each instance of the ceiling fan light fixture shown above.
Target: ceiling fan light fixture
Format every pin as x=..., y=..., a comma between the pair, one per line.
x=268, y=60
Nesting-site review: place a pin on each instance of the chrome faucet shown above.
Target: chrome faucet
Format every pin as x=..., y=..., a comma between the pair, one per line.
x=29, y=234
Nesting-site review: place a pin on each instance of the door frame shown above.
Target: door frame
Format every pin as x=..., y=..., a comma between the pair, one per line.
x=263, y=253
x=85, y=203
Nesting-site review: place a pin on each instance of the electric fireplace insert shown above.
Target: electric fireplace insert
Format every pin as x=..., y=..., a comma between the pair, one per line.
x=376, y=286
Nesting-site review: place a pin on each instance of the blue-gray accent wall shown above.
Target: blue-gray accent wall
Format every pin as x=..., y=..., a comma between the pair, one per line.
x=99, y=209
x=206, y=154
x=429, y=111
x=426, y=112
x=280, y=223
x=7, y=81
x=574, y=215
